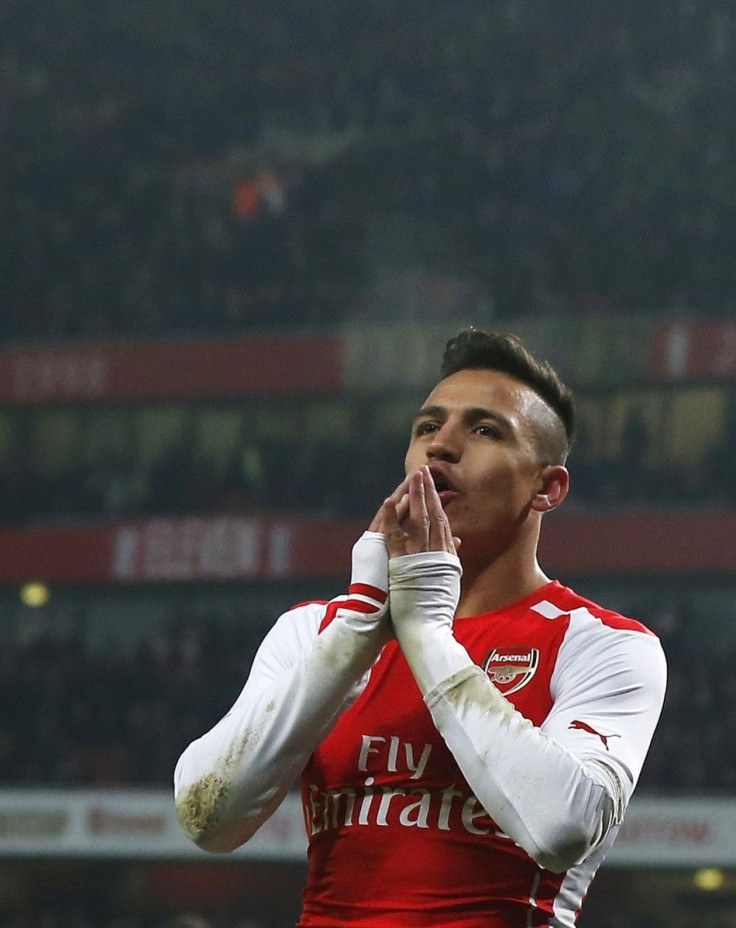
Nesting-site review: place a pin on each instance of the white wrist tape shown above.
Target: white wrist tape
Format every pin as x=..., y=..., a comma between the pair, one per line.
x=425, y=588
x=424, y=591
x=366, y=603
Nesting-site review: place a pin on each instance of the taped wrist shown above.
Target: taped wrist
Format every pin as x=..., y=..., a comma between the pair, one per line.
x=425, y=588
x=424, y=591
x=366, y=603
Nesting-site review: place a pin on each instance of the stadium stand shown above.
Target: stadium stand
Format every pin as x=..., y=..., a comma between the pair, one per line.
x=264, y=468
x=221, y=169
x=60, y=729
x=300, y=166
x=73, y=715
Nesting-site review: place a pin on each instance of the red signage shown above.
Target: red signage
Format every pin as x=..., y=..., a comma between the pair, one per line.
x=168, y=370
x=644, y=542
x=684, y=350
x=204, y=549
x=233, y=548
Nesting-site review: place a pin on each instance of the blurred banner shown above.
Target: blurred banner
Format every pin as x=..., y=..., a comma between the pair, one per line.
x=704, y=350
x=362, y=359
x=233, y=548
x=88, y=372
x=125, y=823
x=130, y=823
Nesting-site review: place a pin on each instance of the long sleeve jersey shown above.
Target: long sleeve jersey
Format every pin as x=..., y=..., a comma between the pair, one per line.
x=430, y=809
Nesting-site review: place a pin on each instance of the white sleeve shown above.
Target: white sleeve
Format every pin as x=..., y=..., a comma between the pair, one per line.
x=555, y=790
x=229, y=781
x=611, y=680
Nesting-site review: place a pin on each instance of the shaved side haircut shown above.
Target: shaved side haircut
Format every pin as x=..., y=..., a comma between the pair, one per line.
x=473, y=349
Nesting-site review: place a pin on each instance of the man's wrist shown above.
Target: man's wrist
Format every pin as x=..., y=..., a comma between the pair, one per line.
x=424, y=587
x=369, y=573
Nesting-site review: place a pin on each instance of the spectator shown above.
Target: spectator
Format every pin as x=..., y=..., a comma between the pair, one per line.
x=511, y=145
x=72, y=716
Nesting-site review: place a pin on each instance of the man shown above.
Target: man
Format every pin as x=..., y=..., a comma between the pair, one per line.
x=468, y=732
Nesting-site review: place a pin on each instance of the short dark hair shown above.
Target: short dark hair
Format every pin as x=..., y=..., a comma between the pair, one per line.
x=473, y=349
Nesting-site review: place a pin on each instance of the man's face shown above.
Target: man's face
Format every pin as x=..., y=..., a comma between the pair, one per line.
x=476, y=431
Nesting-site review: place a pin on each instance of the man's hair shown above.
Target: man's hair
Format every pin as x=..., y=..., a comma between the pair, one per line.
x=473, y=349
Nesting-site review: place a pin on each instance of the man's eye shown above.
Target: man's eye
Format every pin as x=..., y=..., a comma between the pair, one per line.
x=425, y=428
x=489, y=431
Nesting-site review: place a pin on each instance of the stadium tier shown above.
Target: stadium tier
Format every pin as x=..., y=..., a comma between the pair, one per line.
x=234, y=238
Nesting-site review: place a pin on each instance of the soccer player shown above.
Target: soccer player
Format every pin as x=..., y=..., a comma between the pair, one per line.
x=467, y=732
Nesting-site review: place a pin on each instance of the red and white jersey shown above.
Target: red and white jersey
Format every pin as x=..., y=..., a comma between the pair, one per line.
x=396, y=836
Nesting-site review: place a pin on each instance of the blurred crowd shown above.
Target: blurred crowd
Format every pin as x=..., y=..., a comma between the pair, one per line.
x=275, y=474
x=209, y=168
x=214, y=167
x=69, y=716
x=271, y=475
x=690, y=750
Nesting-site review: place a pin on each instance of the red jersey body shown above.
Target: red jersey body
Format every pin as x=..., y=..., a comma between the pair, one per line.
x=396, y=837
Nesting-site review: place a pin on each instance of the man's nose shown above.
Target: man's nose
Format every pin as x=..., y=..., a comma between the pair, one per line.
x=445, y=446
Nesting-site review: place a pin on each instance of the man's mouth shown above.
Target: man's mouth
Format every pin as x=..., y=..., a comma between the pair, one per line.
x=445, y=490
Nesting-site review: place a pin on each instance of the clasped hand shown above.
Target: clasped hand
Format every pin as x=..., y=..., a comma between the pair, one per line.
x=412, y=519
x=412, y=526
x=423, y=577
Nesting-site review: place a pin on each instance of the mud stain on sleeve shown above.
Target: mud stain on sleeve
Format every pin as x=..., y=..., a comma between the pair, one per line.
x=201, y=808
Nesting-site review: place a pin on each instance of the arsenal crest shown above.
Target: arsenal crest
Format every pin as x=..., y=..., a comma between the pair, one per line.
x=511, y=668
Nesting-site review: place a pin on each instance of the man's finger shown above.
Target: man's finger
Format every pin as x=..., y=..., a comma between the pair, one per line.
x=419, y=522
x=402, y=507
x=440, y=535
x=392, y=530
x=401, y=490
x=397, y=495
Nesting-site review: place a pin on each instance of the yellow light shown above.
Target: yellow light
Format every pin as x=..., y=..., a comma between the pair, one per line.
x=708, y=879
x=35, y=594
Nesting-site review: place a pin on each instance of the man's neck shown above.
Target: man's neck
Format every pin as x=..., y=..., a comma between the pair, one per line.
x=487, y=587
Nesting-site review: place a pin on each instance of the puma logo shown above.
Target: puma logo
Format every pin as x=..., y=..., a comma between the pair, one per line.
x=583, y=726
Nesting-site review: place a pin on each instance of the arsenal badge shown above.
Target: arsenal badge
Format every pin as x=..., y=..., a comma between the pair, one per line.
x=511, y=668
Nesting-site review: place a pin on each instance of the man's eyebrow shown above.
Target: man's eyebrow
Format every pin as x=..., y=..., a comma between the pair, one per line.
x=472, y=415
x=431, y=412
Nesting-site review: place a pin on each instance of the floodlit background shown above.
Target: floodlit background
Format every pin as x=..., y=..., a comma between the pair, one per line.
x=234, y=237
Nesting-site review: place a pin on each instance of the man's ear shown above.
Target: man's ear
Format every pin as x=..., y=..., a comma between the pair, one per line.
x=554, y=484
